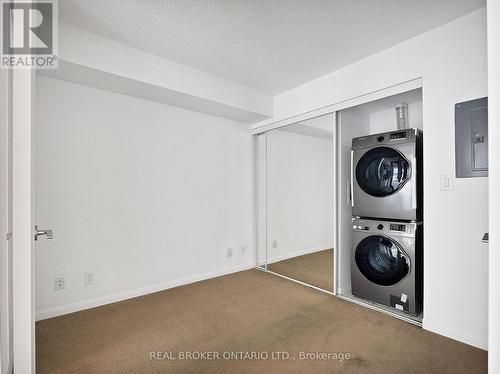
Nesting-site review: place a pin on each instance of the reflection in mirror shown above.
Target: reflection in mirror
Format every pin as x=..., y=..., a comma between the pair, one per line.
x=300, y=201
x=261, y=187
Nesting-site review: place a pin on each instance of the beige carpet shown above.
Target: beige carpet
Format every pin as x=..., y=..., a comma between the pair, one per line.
x=314, y=268
x=246, y=311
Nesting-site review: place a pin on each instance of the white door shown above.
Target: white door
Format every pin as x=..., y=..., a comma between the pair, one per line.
x=21, y=108
x=5, y=229
x=494, y=185
x=23, y=306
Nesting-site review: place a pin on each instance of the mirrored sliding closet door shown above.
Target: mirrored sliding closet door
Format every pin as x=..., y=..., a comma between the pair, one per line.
x=299, y=201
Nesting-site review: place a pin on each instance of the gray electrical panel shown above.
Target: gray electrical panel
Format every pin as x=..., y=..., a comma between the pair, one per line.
x=471, y=138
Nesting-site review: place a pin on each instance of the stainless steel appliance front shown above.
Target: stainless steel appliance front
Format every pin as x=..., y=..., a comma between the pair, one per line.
x=386, y=177
x=386, y=263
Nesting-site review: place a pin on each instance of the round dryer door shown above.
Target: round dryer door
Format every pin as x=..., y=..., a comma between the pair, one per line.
x=381, y=260
x=382, y=171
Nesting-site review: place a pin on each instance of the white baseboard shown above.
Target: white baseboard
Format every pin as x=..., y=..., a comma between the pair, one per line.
x=120, y=296
x=298, y=253
x=462, y=336
x=9, y=368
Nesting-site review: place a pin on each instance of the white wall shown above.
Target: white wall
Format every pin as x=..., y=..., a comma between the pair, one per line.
x=146, y=195
x=494, y=184
x=451, y=60
x=300, y=193
x=385, y=120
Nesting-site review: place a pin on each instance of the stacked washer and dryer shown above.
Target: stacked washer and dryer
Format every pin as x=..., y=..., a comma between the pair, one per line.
x=387, y=229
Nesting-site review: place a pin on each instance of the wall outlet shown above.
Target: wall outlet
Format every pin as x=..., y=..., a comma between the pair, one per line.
x=229, y=252
x=275, y=244
x=243, y=250
x=89, y=278
x=59, y=283
x=445, y=183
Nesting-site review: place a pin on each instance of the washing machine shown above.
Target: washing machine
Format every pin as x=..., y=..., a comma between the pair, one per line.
x=387, y=263
x=386, y=175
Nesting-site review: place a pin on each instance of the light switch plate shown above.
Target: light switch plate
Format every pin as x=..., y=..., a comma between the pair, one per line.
x=446, y=183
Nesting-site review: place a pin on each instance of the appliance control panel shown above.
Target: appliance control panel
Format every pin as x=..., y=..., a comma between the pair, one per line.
x=397, y=227
x=371, y=227
x=386, y=138
x=398, y=135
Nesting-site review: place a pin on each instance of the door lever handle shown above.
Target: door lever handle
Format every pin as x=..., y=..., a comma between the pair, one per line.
x=48, y=233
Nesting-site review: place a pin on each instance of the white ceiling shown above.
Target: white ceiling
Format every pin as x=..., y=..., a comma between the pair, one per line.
x=269, y=45
x=390, y=102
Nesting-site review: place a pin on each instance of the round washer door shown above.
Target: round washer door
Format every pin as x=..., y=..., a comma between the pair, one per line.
x=382, y=171
x=381, y=260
